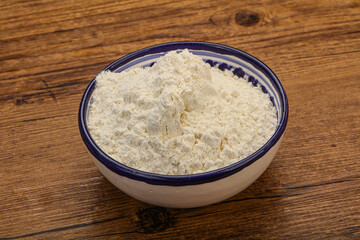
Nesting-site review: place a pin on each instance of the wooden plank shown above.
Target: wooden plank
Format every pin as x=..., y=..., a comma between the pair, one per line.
x=50, y=50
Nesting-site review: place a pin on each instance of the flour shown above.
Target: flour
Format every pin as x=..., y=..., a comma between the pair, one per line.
x=180, y=116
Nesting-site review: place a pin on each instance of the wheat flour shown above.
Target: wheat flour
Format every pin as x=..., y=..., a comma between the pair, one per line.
x=180, y=116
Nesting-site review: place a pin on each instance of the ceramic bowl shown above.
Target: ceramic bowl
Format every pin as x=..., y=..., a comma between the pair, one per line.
x=185, y=191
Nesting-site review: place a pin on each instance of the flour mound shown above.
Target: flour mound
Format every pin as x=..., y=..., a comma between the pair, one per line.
x=180, y=116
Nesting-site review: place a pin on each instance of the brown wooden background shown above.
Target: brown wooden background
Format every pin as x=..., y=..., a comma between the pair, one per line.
x=50, y=50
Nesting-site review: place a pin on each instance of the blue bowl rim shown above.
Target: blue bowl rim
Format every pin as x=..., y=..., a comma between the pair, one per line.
x=192, y=179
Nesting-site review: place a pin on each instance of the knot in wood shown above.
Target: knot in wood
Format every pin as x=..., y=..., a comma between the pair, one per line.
x=154, y=219
x=247, y=18
x=20, y=101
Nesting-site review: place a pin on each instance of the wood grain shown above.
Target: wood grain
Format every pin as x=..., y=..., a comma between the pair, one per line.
x=50, y=50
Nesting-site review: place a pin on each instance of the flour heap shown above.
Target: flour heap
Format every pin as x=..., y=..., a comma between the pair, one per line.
x=180, y=116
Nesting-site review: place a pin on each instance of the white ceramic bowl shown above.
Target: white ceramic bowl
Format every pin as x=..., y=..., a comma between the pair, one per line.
x=185, y=191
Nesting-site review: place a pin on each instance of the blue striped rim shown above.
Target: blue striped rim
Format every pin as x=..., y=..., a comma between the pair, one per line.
x=182, y=180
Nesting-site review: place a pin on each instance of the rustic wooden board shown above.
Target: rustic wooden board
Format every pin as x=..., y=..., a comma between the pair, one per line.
x=50, y=50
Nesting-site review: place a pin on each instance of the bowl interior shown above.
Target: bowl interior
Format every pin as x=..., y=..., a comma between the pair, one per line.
x=243, y=64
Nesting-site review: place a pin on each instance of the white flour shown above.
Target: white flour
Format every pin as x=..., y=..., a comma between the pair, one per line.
x=179, y=117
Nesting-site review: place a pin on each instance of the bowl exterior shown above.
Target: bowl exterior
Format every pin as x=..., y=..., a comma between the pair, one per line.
x=190, y=196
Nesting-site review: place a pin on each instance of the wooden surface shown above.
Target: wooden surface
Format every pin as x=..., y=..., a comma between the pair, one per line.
x=50, y=50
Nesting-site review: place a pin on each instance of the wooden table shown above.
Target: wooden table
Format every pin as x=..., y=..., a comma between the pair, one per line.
x=50, y=50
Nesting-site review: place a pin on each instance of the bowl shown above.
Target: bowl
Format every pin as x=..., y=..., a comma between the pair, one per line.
x=195, y=190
